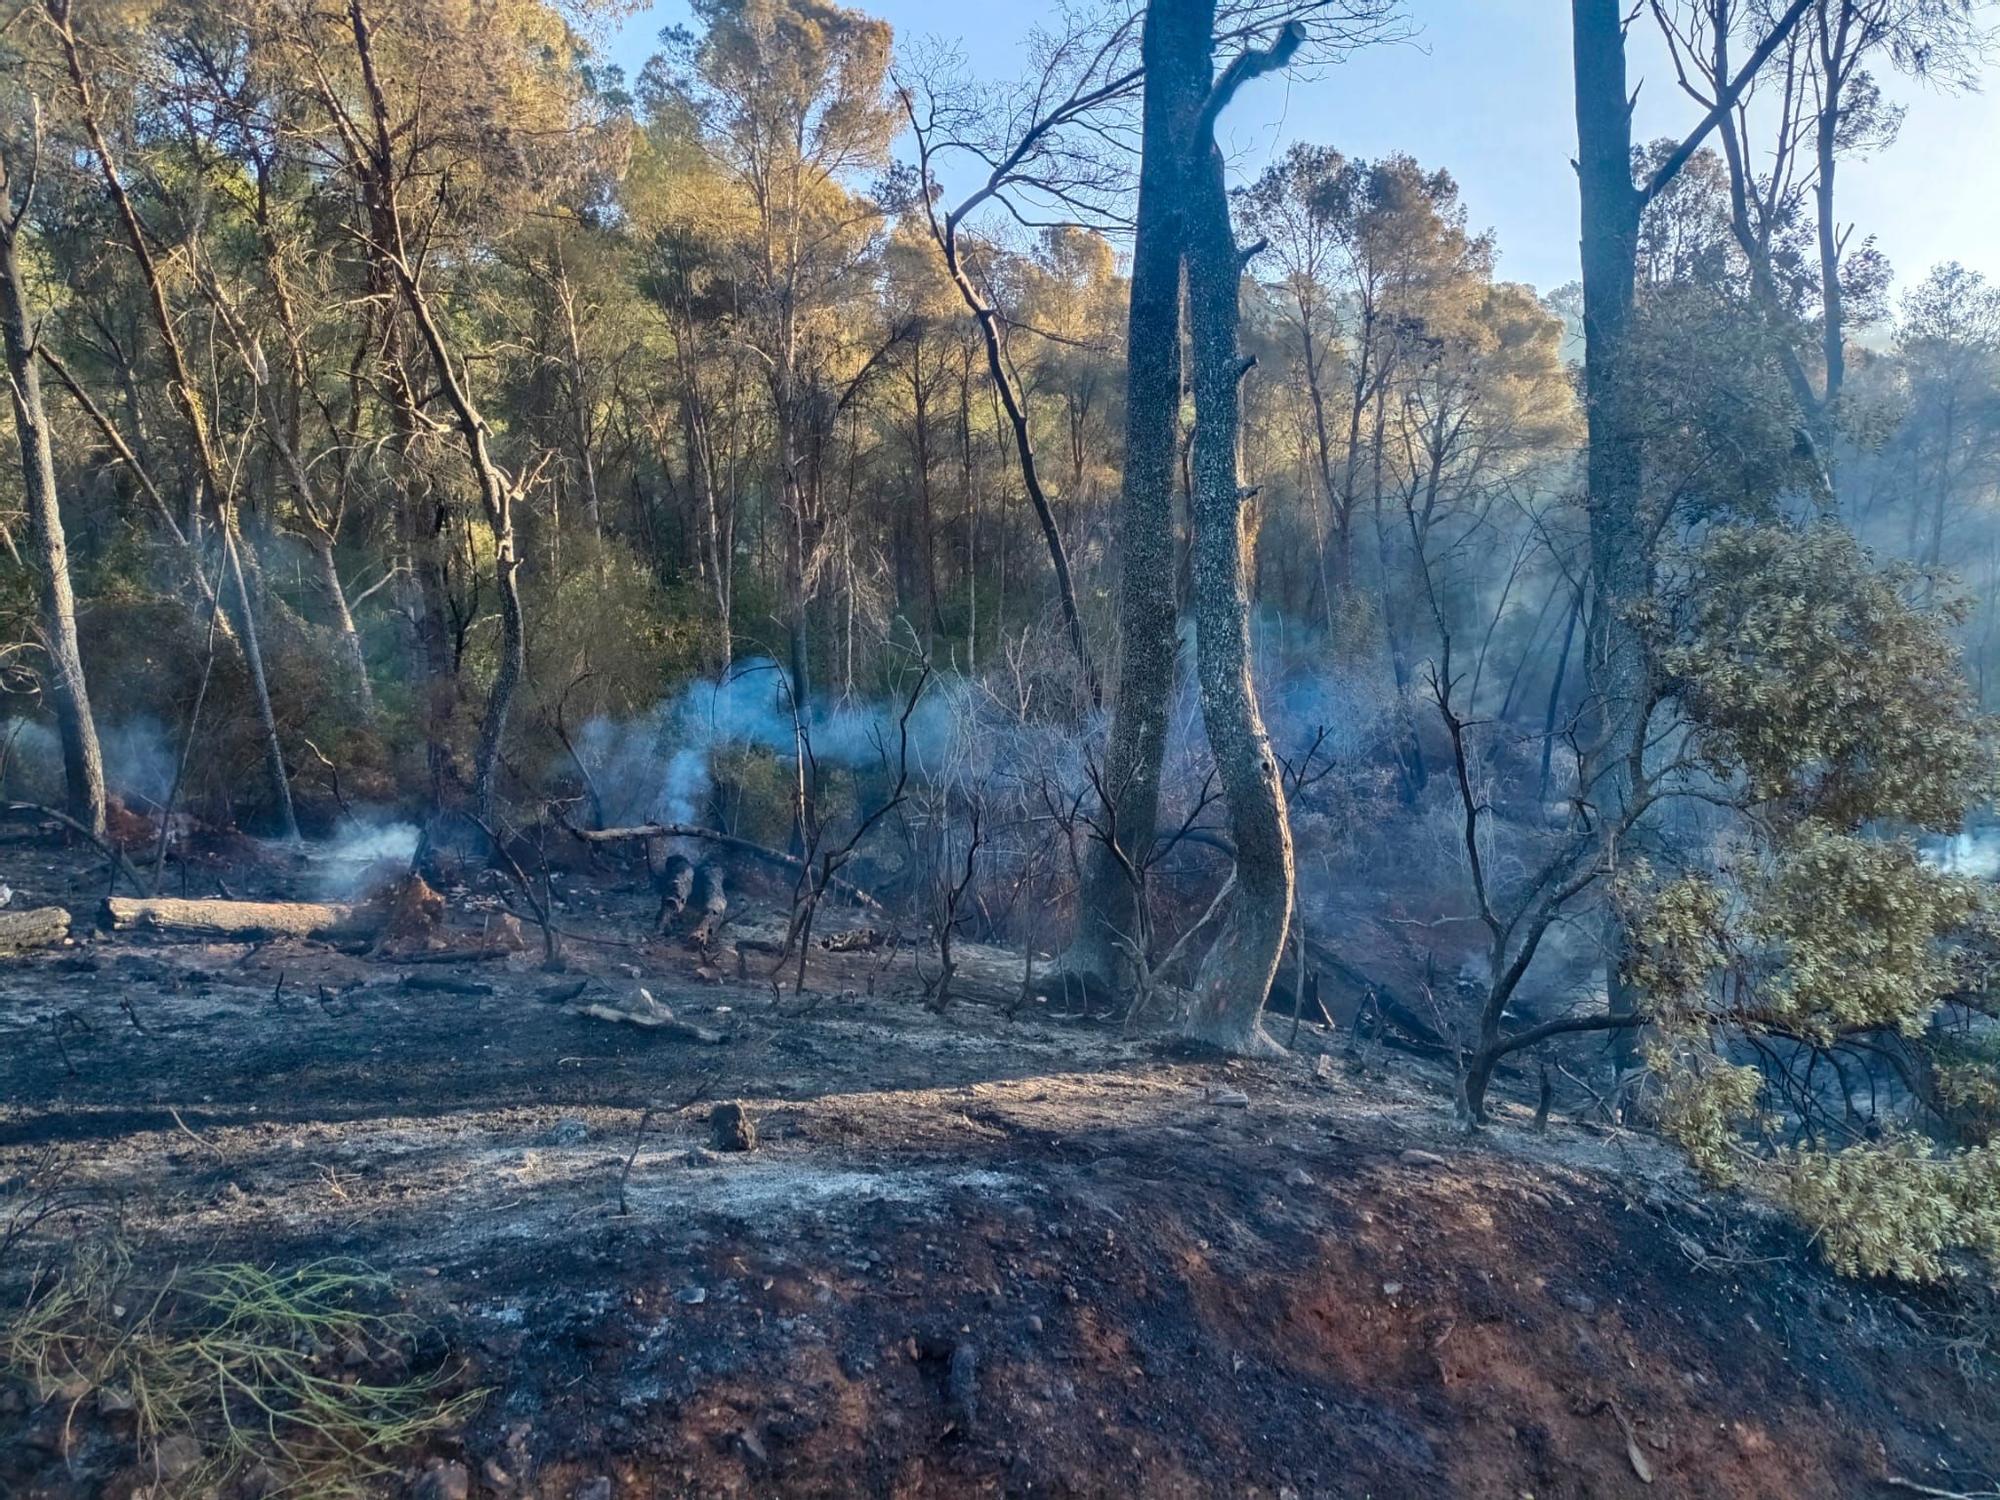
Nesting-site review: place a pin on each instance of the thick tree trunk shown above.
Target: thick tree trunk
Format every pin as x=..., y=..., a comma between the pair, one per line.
x=1176, y=49
x=69, y=696
x=1615, y=662
x=1235, y=977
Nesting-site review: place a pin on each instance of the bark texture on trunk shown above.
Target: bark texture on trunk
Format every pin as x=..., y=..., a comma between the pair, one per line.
x=39, y=927
x=69, y=695
x=1176, y=51
x=1236, y=975
x=1620, y=574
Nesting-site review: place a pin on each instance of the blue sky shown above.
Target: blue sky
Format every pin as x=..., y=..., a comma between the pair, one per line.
x=1483, y=91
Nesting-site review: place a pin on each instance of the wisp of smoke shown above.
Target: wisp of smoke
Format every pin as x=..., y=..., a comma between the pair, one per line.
x=357, y=860
x=659, y=767
x=138, y=761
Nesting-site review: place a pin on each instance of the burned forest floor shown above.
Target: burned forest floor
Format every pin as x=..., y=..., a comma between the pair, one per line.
x=969, y=1254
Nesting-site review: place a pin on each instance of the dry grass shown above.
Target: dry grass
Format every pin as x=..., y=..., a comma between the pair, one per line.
x=230, y=1372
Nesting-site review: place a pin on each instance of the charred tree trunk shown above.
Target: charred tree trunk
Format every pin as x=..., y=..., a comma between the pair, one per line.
x=1616, y=664
x=1176, y=49
x=69, y=696
x=1235, y=976
x=1620, y=574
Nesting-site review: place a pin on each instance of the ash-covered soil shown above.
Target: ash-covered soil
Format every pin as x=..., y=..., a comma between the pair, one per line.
x=969, y=1255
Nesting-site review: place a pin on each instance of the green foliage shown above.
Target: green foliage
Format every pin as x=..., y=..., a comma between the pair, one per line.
x=1817, y=675
x=1856, y=934
x=1679, y=940
x=1704, y=1103
x=1895, y=1208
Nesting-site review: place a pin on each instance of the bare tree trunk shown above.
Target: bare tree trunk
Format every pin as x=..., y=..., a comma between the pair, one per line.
x=343, y=622
x=1176, y=50
x=187, y=396
x=69, y=695
x=1616, y=663
x=1235, y=977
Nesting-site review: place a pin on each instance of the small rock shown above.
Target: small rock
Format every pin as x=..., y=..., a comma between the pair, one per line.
x=1577, y=1302
x=445, y=1481
x=1034, y=1323
x=1392, y=1288
x=1298, y=1177
x=497, y=1476
x=111, y=1401
x=181, y=1454
x=1416, y=1158
x=592, y=1489
x=1228, y=1098
x=691, y=1296
x=962, y=1388
x=730, y=1128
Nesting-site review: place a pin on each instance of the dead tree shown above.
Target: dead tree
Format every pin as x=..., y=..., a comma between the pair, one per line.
x=822, y=861
x=69, y=694
x=1043, y=142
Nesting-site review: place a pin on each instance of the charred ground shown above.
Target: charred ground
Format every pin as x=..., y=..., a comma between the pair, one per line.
x=970, y=1255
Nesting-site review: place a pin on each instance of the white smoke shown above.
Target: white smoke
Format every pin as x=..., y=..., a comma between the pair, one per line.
x=370, y=850
x=660, y=767
x=139, y=761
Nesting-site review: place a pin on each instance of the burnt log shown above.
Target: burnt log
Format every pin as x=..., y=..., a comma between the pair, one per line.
x=673, y=882
x=41, y=927
x=708, y=897
x=228, y=919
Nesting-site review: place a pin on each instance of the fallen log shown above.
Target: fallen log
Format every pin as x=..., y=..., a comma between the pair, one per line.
x=41, y=927
x=728, y=841
x=227, y=919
